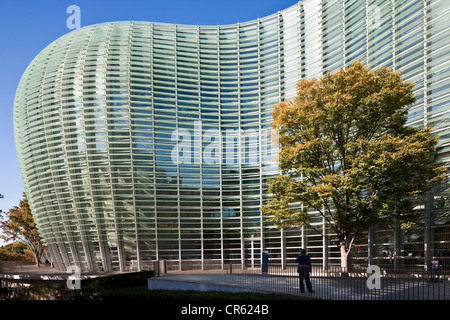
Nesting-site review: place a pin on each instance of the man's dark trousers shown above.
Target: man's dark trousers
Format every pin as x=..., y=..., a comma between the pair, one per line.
x=304, y=268
x=303, y=273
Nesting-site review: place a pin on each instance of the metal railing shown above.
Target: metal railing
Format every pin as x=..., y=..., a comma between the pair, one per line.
x=334, y=283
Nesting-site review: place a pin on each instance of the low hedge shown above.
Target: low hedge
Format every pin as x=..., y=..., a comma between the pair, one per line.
x=89, y=288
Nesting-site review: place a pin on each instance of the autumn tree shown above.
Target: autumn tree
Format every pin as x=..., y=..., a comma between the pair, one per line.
x=15, y=251
x=18, y=225
x=346, y=153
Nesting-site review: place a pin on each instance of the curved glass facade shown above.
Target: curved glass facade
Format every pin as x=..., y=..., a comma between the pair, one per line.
x=142, y=141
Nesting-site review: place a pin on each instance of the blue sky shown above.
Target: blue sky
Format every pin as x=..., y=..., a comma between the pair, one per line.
x=28, y=26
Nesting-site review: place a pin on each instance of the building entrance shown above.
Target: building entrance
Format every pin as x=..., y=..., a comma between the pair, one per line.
x=252, y=252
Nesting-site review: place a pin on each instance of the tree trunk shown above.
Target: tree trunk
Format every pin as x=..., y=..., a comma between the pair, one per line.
x=37, y=255
x=344, y=258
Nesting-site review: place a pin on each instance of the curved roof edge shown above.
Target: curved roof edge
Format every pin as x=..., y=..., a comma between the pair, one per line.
x=206, y=26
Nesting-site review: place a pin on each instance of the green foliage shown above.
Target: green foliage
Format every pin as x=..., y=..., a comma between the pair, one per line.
x=346, y=153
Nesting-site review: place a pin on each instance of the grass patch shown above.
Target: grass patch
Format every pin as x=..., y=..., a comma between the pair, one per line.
x=142, y=292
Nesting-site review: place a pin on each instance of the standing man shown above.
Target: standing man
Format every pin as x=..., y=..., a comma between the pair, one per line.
x=304, y=268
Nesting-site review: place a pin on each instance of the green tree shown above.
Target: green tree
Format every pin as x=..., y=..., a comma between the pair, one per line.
x=346, y=153
x=18, y=224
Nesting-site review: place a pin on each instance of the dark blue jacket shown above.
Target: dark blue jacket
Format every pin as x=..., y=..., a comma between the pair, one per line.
x=304, y=263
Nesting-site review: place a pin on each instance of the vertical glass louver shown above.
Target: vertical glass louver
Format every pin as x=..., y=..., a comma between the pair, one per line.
x=141, y=141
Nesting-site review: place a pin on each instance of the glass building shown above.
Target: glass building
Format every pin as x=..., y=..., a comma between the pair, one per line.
x=143, y=141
